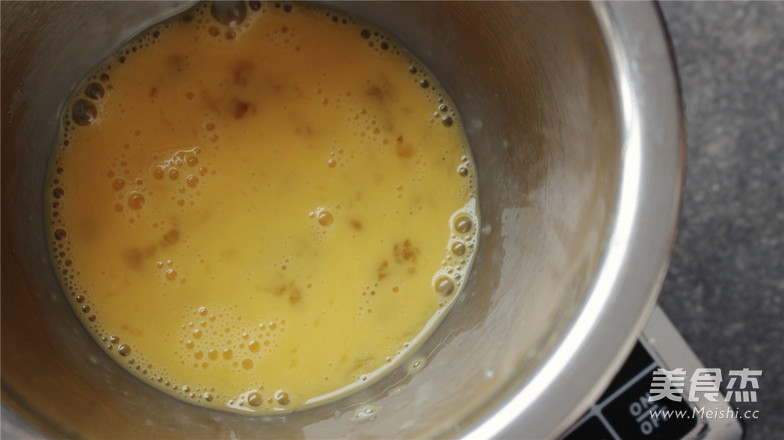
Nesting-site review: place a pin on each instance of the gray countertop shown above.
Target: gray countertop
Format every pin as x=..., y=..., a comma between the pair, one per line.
x=725, y=287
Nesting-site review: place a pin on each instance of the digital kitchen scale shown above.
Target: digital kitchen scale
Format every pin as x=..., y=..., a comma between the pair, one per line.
x=625, y=412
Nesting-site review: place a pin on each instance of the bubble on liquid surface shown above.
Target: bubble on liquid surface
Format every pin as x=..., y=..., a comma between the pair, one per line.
x=255, y=399
x=282, y=397
x=366, y=413
x=124, y=349
x=463, y=224
x=94, y=91
x=136, y=201
x=325, y=218
x=83, y=112
x=444, y=286
x=416, y=365
x=458, y=248
x=60, y=234
x=228, y=13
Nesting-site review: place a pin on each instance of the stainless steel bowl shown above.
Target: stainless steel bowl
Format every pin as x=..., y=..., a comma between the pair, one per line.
x=572, y=112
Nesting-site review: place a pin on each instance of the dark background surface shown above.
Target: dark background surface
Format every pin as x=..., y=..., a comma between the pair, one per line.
x=725, y=287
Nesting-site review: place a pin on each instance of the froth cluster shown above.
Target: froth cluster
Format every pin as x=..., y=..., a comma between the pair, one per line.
x=459, y=253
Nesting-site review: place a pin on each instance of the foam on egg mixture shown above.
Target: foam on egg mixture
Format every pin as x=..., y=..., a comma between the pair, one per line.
x=261, y=206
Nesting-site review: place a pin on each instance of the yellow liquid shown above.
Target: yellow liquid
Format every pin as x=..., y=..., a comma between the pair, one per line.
x=265, y=215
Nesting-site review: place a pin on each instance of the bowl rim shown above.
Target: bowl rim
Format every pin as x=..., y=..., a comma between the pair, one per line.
x=630, y=274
